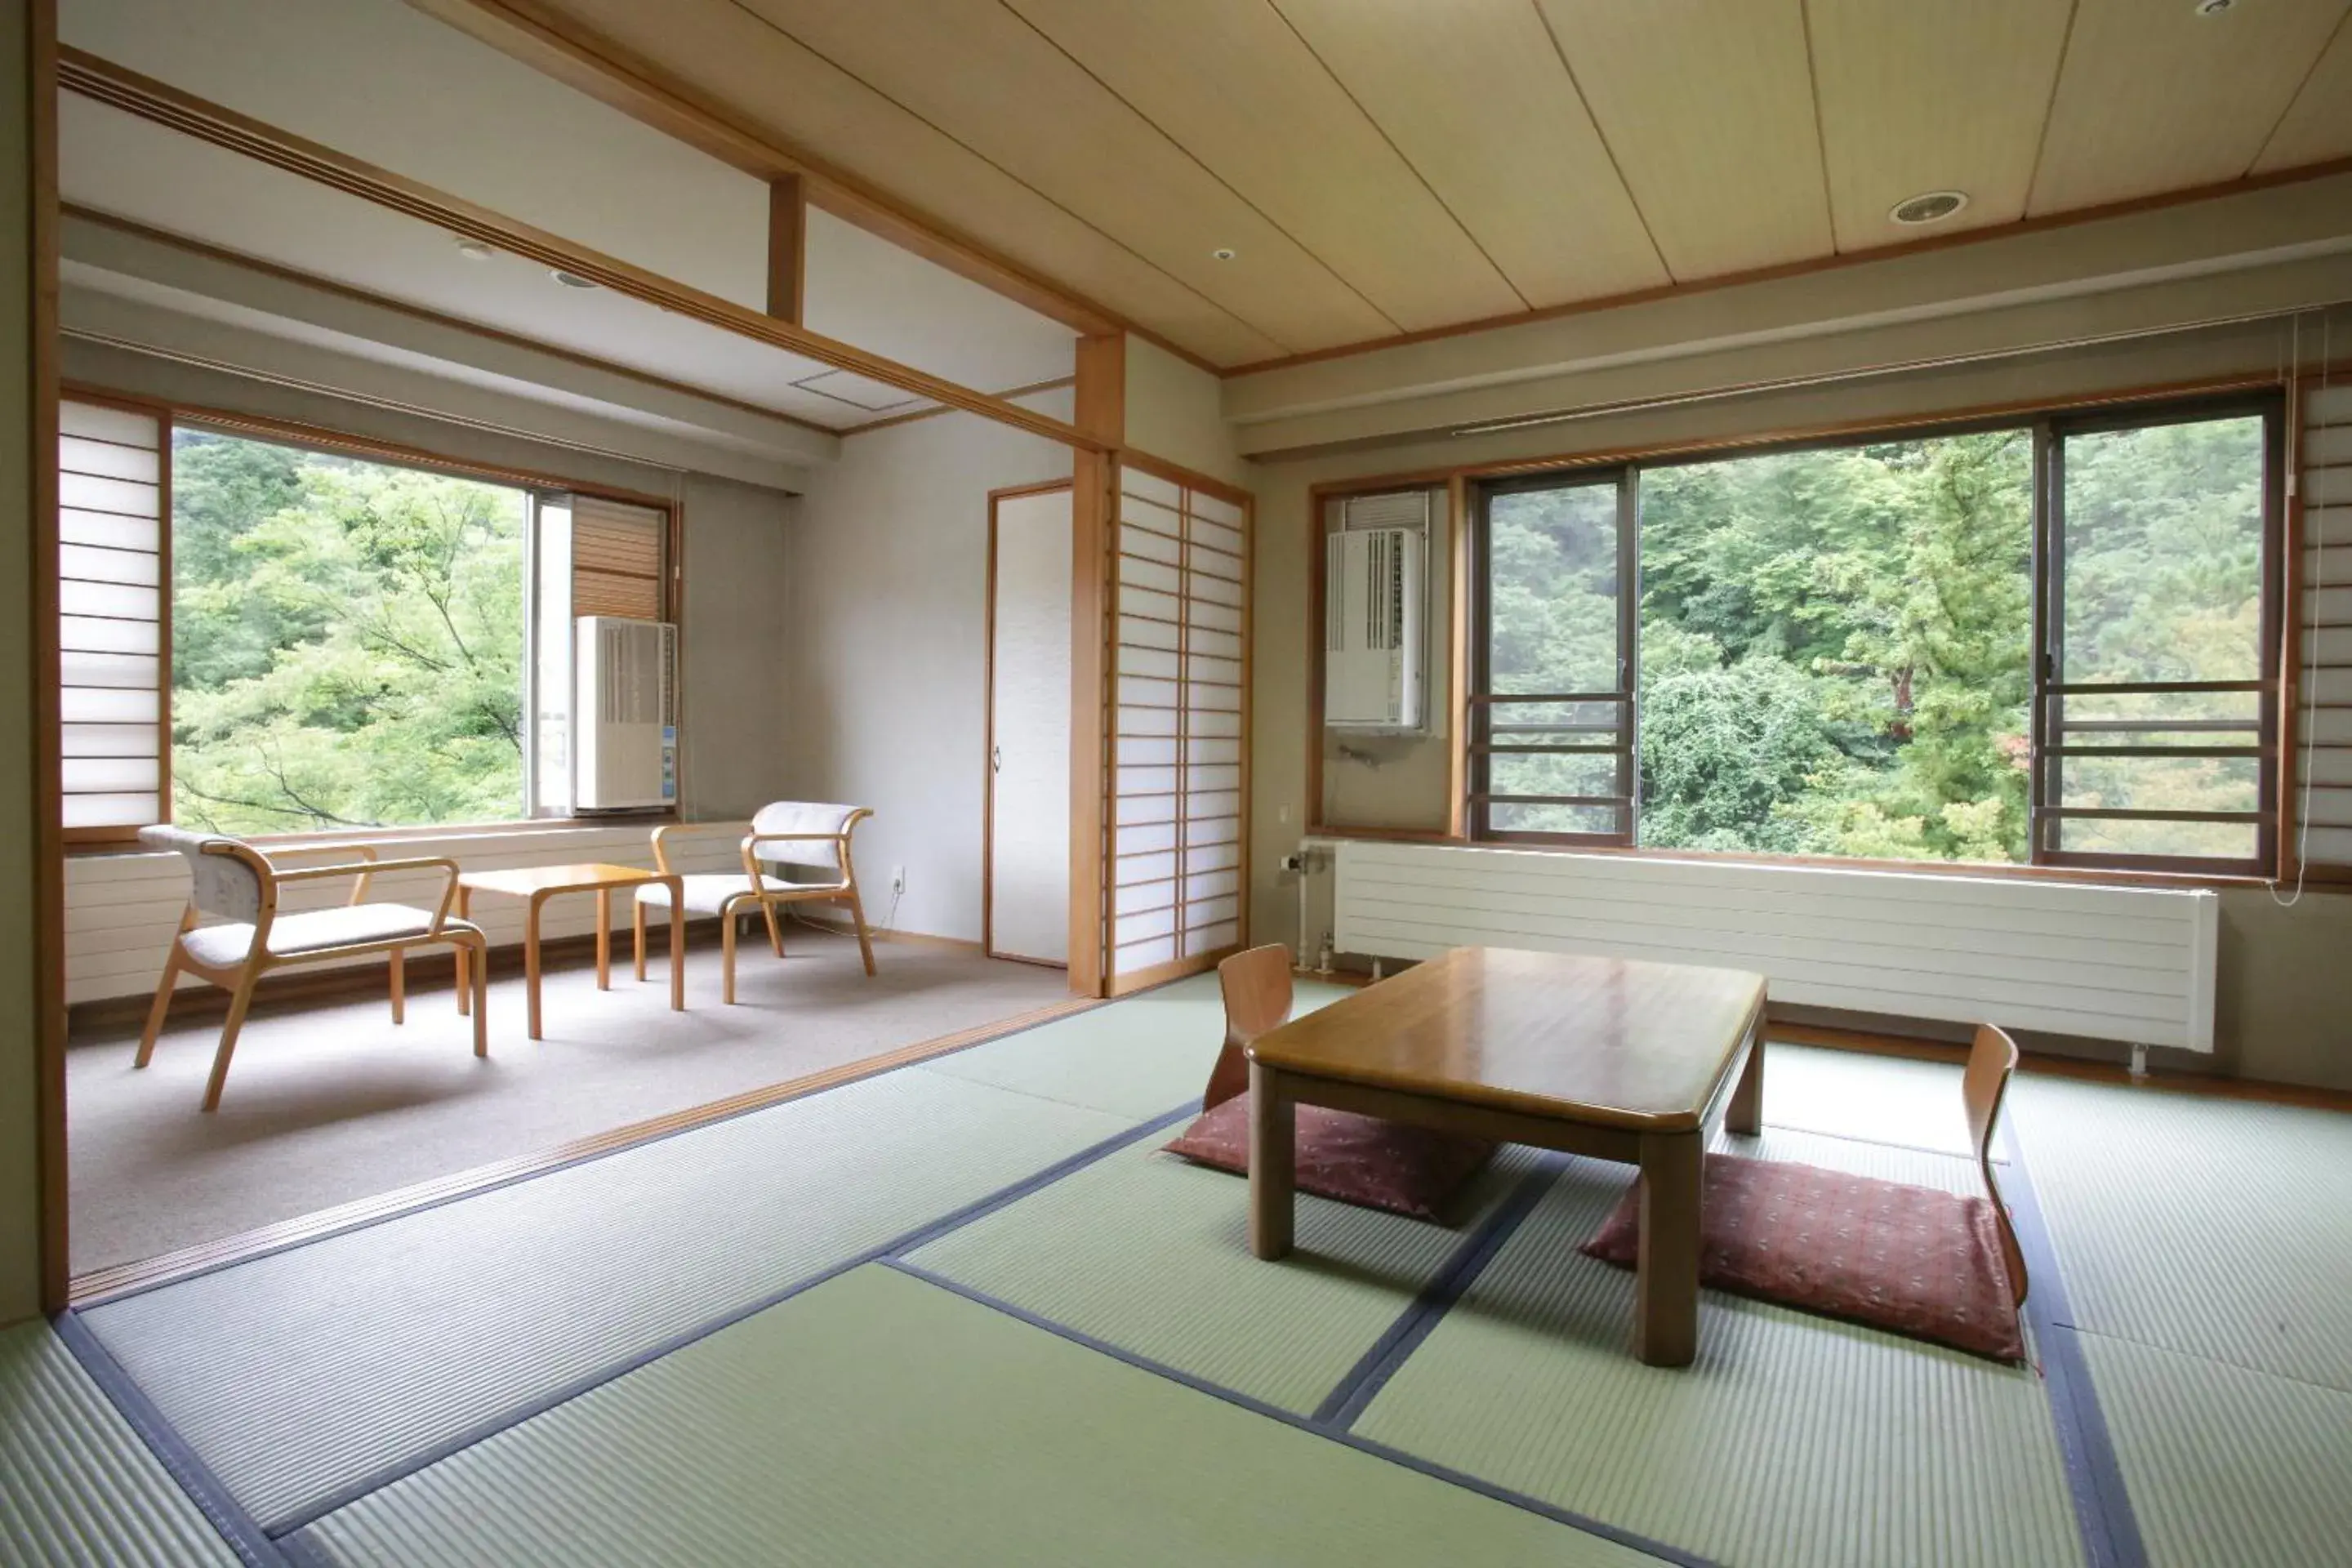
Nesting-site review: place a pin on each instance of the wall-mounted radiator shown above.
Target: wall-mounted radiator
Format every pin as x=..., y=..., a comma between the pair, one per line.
x=2119, y=963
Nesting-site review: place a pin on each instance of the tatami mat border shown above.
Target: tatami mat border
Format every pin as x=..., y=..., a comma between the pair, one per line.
x=929, y=1231
x=2102, y=1511
x=239, y=1529
x=1594, y=1527
x=1371, y=1372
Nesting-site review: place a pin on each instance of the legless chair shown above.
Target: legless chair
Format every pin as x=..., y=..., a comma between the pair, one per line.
x=232, y=878
x=1257, y=986
x=1991, y=1058
x=728, y=895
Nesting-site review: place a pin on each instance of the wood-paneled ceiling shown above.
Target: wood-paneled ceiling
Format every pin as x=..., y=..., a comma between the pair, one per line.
x=1384, y=167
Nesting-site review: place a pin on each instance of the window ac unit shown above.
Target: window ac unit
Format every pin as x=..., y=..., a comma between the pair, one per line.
x=625, y=714
x=1371, y=628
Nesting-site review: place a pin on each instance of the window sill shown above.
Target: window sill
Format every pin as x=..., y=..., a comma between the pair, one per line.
x=2093, y=876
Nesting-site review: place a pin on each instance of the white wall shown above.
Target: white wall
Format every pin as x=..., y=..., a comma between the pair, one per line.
x=1175, y=411
x=886, y=627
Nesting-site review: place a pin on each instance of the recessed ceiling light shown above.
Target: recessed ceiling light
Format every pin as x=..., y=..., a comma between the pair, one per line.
x=2215, y=7
x=1222, y=253
x=570, y=279
x=1931, y=206
x=475, y=250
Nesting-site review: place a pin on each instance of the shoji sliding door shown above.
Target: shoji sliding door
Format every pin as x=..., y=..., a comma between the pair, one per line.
x=114, y=617
x=1179, y=775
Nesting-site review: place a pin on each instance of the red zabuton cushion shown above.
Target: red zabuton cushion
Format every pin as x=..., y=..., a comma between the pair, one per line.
x=1911, y=1260
x=1364, y=1159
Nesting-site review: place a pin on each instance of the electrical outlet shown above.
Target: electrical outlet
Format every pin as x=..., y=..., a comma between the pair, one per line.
x=897, y=881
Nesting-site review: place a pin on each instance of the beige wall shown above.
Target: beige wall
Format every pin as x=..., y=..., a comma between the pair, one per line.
x=888, y=629
x=20, y=1204
x=1175, y=412
x=2285, y=987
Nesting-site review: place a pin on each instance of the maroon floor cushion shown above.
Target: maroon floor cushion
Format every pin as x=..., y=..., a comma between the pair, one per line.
x=1356, y=1159
x=1912, y=1260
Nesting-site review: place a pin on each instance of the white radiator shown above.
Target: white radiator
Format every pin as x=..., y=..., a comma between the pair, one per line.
x=2118, y=964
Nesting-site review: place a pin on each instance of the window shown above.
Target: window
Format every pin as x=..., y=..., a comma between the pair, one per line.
x=320, y=640
x=2047, y=643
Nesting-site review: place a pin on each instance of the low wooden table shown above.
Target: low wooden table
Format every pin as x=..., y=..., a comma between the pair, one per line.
x=537, y=884
x=1622, y=1060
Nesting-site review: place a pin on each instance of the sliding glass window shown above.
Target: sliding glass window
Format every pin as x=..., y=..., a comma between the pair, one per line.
x=1550, y=727
x=2049, y=642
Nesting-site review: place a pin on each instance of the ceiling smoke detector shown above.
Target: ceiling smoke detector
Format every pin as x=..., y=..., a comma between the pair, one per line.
x=1934, y=206
x=1222, y=253
x=2215, y=7
x=570, y=279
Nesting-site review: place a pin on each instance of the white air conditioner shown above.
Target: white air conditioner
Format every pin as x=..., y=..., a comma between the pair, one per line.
x=624, y=714
x=1372, y=599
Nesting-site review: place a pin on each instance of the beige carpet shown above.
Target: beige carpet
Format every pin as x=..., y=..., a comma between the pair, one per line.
x=329, y=1104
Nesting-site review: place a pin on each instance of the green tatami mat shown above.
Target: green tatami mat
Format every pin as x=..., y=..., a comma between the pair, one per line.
x=2215, y=1227
x=2226, y=1466
x=76, y=1484
x=1793, y=1440
x=1135, y=1058
x=1151, y=1253
x=1853, y=1094
x=879, y=1422
x=300, y=1374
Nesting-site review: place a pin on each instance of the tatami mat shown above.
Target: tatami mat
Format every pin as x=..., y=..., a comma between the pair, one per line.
x=300, y=1374
x=1850, y=1094
x=877, y=1419
x=76, y=1484
x=1134, y=1060
x=2227, y=1466
x=2214, y=1227
x=1793, y=1440
x=1151, y=1253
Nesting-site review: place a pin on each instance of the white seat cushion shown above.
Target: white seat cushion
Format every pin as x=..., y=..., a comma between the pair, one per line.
x=707, y=892
x=290, y=936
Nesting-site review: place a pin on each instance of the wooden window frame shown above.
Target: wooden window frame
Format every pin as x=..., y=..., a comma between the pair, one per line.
x=2047, y=427
x=172, y=416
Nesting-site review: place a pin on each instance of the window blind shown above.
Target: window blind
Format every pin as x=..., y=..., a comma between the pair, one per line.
x=619, y=553
x=1178, y=816
x=113, y=576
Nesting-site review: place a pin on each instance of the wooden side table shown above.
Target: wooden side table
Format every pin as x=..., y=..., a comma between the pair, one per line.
x=537, y=884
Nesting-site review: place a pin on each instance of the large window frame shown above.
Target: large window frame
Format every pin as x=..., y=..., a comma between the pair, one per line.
x=542, y=491
x=2049, y=429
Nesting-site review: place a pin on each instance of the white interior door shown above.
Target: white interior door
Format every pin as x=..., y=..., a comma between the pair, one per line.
x=1029, y=729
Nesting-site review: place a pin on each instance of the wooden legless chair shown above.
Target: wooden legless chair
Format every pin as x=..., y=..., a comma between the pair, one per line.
x=1256, y=987
x=231, y=877
x=728, y=895
x=1985, y=1083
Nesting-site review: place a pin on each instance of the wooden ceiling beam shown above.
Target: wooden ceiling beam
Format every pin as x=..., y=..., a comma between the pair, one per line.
x=160, y=103
x=787, y=248
x=613, y=75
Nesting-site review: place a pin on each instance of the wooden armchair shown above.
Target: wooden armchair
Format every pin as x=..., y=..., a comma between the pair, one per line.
x=232, y=878
x=728, y=895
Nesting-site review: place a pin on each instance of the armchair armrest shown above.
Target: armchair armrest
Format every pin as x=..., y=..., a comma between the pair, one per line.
x=668, y=830
x=362, y=853
x=371, y=866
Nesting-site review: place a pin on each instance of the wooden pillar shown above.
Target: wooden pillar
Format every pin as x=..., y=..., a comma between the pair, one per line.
x=1101, y=412
x=787, y=248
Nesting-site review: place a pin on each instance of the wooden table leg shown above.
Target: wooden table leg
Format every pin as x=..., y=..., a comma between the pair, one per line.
x=1745, y=1114
x=1273, y=1155
x=1665, y=1286
x=604, y=939
x=398, y=965
x=530, y=961
x=464, y=977
x=677, y=944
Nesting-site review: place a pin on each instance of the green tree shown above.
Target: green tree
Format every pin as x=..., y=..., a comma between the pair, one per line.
x=347, y=641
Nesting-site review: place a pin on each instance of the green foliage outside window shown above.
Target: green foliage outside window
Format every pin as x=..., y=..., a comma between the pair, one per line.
x=346, y=641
